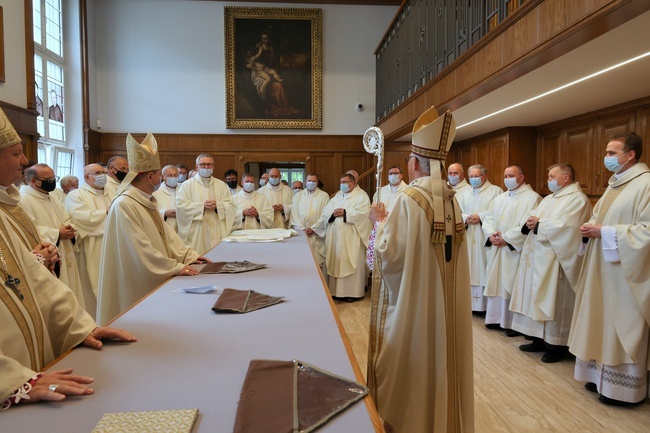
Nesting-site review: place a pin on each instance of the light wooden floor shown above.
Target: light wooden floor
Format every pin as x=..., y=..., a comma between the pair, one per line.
x=514, y=391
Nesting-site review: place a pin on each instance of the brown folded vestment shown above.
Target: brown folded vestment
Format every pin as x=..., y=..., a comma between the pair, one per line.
x=228, y=267
x=243, y=301
x=291, y=397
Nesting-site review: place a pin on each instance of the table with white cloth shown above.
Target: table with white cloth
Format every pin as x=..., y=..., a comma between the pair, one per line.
x=187, y=356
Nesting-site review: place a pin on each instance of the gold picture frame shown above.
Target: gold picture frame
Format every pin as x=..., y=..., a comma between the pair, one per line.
x=273, y=68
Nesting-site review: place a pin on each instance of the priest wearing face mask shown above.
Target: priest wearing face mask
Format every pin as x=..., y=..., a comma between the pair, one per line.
x=346, y=229
x=474, y=203
x=88, y=207
x=306, y=210
x=166, y=196
x=232, y=180
x=140, y=251
x=253, y=209
x=611, y=320
x=54, y=225
x=502, y=227
x=543, y=294
x=394, y=187
x=205, y=212
x=280, y=197
x=456, y=178
x=117, y=167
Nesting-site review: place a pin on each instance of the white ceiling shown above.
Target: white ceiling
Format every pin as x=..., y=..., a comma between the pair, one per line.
x=625, y=83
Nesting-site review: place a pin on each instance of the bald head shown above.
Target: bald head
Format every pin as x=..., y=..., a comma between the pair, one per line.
x=353, y=173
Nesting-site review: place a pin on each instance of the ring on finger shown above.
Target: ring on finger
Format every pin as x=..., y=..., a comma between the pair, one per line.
x=53, y=387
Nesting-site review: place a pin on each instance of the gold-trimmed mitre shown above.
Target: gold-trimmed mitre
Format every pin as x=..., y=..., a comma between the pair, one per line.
x=8, y=135
x=143, y=156
x=433, y=134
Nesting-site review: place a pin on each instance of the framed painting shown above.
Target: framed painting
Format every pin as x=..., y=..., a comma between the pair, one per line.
x=273, y=68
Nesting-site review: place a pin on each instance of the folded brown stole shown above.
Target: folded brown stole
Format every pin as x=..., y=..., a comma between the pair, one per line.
x=291, y=397
x=228, y=267
x=243, y=301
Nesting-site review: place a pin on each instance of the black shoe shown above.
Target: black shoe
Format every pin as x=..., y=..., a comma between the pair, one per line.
x=529, y=338
x=590, y=386
x=552, y=356
x=493, y=326
x=350, y=300
x=535, y=346
x=512, y=333
x=611, y=402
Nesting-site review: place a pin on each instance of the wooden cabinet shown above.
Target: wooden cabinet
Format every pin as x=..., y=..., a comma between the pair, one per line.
x=582, y=144
x=498, y=150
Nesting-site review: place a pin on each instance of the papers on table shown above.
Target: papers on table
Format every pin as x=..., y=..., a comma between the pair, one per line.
x=199, y=290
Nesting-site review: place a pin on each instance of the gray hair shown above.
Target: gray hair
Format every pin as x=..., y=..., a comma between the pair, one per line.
x=65, y=180
x=31, y=172
x=204, y=155
x=478, y=167
x=168, y=167
x=425, y=164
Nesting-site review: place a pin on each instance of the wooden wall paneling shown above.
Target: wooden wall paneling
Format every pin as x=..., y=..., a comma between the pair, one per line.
x=522, y=143
x=394, y=155
x=481, y=152
x=498, y=157
x=467, y=157
x=326, y=167
x=548, y=153
x=643, y=129
x=577, y=150
x=606, y=128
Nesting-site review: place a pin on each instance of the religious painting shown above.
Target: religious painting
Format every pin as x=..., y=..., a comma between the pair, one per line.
x=273, y=68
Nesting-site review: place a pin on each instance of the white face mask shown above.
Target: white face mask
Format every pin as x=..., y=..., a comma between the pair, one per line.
x=345, y=187
x=453, y=180
x=249, y=186
x=393, y=179
x=100, y=180
x=311, y=185
x=510, y=183
x=262, y=182
x=171, y=182
x=205, y=172
x=553, y=186
x=275, y=181
x=296, y=190
x=182, y=177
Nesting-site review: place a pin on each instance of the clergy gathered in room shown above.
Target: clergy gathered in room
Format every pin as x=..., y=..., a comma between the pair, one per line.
x=437, y=248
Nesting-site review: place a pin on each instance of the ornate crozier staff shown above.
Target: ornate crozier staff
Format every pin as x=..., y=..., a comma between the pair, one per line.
x=373, y=142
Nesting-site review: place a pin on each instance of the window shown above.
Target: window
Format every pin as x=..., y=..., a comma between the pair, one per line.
x=49, y=67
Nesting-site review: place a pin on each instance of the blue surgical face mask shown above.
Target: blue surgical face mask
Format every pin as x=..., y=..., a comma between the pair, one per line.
x=205, y=172
x=249, y=186
x=311, y=185
x=345, y=188
x=100, y=180
x=475, y=181
x=553, y=186
x=262, y=182
x=393, y=179
x=453, y=180
x=182, y=178
x=510, y=182
x=171, y=182
x=611, y=163
x=275, y=181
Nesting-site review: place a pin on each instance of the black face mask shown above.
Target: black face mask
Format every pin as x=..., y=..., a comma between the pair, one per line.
x=47, y=185
x=120, y=175
x=232, y=184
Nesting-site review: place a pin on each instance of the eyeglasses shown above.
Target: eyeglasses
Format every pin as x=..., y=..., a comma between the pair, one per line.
x=50, y=180
x=408, y=157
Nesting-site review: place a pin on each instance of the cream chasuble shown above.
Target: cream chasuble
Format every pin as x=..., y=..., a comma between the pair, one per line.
x=506, y=215
x=612, y=312
x=18, y=220
x=166, y=198
x=49, y=214
x=460, y=187
x=388, y=194
x=420, y=356
x=346, y=241
x=306, y=210
x=111, y=187
x=543, y=291
x=87, y=207
x=477, y=201
x=40, y=327
x=244, y=200
x=280, y=194
x=200, y=228
x=140, y=252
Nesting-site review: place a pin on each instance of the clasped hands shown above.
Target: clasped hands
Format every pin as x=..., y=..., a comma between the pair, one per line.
x=251, y=211
x=49, y=252
x=210, y=204
x=590, y=230
x=497, y=240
